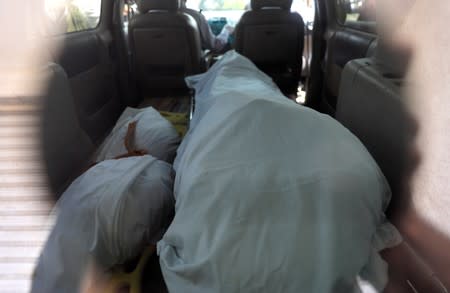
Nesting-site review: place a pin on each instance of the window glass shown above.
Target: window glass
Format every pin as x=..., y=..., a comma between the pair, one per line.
x=66, y=16
x=354, y=11
x=217, y=10
x=232, y=10
x=208, y=5
x=305, y=8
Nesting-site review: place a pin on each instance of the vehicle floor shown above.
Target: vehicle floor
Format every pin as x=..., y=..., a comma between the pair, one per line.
x=152, y=279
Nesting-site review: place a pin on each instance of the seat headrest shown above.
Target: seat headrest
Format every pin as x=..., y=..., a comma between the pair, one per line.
x=260, y=4
x=146, y=5
x=395, y=60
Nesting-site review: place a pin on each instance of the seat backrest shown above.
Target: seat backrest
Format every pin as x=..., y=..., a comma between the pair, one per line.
x=91, y=72
x=165, y=46
x=374, y=105
x=371, y=106
x=207, y=41
x=66, y=148
x=271, y=36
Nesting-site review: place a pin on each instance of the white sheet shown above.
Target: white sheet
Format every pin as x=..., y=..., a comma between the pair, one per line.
x=154, y=134
x=271, y=196
x=110, y=213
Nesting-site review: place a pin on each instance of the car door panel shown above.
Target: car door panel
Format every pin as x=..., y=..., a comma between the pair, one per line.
x=86, y=58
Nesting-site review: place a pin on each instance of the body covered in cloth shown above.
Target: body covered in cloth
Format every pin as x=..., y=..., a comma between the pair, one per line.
x=271, y=196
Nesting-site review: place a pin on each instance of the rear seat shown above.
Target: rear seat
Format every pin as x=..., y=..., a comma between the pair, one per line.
x=346, y=47
x=260, y=32
x=65, y=145
x=371, y=105
x=165, y=46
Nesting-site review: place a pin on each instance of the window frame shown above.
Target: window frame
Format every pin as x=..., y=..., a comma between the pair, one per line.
x=364, y=26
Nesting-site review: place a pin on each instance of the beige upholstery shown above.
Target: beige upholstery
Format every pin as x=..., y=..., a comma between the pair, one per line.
x=66, y=147
x=272, y=37
x=165, y=46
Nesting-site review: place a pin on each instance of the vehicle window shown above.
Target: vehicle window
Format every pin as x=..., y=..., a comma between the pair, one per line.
x=220, y=10
x=232, y=10
x=356, y=12
x=208, y=5
x=306, y=9
x=66, y=16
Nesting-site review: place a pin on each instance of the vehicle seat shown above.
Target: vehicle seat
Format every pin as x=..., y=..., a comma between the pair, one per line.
x=372, y=104
x=197, y=16
x=272, y=37
x=165, y=46
x=66, y=148
x=371, y=87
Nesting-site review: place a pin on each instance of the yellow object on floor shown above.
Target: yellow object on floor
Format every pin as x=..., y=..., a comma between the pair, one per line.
x=179, y=121
x=132, y=280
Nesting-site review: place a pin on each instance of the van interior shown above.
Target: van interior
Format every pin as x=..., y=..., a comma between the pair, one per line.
x=107, y=55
